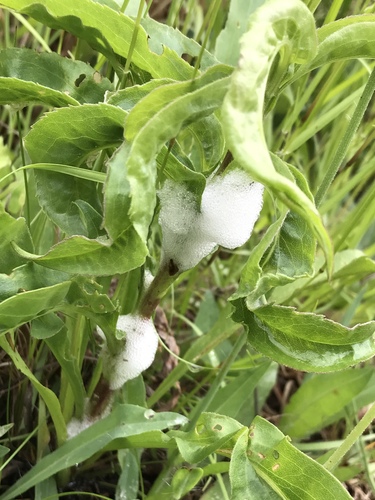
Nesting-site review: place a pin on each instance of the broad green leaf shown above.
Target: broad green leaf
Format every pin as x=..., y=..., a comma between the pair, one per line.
x=12, y=231
x=48, y=396
x=212, y=432
x=288, y=471
x=124, y=421
x=69, y=136
x=318, y=401
x=107, y=31
x=305, y=341
x=227, y=48
x=245, y=483
x=352, y=37
x=27, y=305
x=158, y=118
x=275, y=28
x=28, y=277
x=100, y=257
x=291, y=256
x=46, y=326
x=26, y=76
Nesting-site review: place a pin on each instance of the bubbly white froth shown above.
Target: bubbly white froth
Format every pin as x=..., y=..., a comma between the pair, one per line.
x=229, y=209
x=141, y=342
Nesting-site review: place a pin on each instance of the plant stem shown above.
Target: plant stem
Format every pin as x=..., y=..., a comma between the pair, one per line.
x=345, y=141
x=27, y=198
x=351, y=439
x=166, y=275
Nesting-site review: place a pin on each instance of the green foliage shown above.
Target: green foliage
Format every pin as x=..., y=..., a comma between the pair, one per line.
x=104, y=104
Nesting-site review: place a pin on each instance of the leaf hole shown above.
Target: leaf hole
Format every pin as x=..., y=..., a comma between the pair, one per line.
x=217, y=427
x=200, y=429
x=79, y=80
x=149, y=414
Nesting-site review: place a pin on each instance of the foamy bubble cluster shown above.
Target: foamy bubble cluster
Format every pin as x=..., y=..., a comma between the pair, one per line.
x=229, y=209
x=141, y=342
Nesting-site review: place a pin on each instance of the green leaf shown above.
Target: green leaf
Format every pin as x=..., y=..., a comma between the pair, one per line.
x=157, y=118
x=28, y=277
x=27, y=76
x=12, y=231
x=107, y=31
x=46, y=326
x=127, y=98
x=305, y=341
x=286, y=29
x=100, y=257
x=27, y=305
x=291, y=256
x=209, y=143
x=212, y=432
x=227, y=48
x=320, y=399
x=352, y=37
x=124, y=421
x=68, y=136
x=289, y=472
x=184, y=480
x=245, y=483
x=48, y=396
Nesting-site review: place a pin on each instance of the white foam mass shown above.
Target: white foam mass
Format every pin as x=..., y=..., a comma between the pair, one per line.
x=141, y=342
x=229, y=209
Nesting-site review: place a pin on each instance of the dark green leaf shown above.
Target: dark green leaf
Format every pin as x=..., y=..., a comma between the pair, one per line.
x=46, y=326
x=100, y=257
x=27, y=305
x=27, y=76
x=68, y=136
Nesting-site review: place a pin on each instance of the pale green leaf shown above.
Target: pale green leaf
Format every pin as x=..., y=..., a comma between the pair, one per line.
x=212, y=432
x=320, y=399
x=293, y=475
x=274, y=28
x=305, y=341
